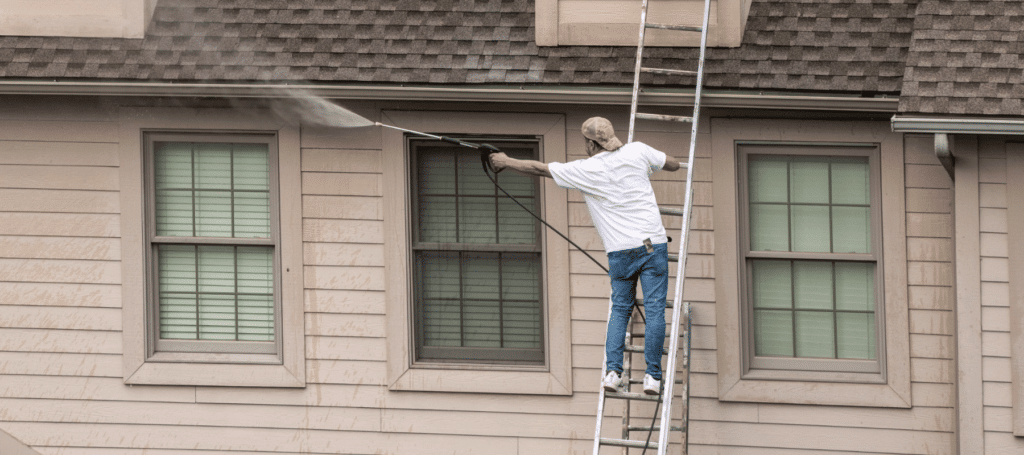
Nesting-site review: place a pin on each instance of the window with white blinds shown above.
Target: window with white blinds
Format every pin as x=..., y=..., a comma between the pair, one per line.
x=812, y=255
x=477, y=258
x=213, y=242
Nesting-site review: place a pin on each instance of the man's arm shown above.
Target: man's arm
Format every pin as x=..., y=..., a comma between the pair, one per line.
x=671, y=164
x=500, y=161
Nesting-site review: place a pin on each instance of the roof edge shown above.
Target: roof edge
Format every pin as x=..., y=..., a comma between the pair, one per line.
x=957, y=125
x=517, y=94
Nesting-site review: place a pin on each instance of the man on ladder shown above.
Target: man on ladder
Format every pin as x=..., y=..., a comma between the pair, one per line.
x=615, y=182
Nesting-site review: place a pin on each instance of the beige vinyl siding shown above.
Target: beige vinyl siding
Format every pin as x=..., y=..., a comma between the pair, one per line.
x=60, y=318
x=62, y=388
x=993, y=251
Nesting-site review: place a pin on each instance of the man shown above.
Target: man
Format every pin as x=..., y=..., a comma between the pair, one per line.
x=615, y=182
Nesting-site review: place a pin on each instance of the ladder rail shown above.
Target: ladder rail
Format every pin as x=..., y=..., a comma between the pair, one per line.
x=601, y=393
x=636, y=71
x=678, y=311
x=666, y=411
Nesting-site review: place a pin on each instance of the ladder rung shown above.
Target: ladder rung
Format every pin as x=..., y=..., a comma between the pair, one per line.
x=673, y=257
x=629, y=443
x=635, y=348
x=640, y=334
x=681, y=28
x=641, y=381
x=632, y=396
x=668, y=71
x=672, y=210
x=667, y=118
x=655, y=428
x=640, y=302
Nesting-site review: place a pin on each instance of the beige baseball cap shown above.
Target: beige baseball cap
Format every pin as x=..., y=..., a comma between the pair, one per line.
x=600, y=129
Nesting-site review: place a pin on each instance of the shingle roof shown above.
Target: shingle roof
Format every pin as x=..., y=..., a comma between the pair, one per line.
x=818, y=45
x=966, y=58
x=959, y=57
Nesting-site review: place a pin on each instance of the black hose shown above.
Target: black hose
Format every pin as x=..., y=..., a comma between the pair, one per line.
x=486, y=150
x=654, y=419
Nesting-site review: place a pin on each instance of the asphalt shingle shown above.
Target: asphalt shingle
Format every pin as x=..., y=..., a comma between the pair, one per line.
x=962, y=55
x=965, y=58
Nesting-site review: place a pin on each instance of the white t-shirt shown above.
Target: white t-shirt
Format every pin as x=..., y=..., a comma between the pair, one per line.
x=617, y=188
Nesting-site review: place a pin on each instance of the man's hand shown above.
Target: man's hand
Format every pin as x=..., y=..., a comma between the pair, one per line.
x=499, y=161
x=671, y=164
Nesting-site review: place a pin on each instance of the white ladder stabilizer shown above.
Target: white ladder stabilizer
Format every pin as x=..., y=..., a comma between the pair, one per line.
x=680, y=309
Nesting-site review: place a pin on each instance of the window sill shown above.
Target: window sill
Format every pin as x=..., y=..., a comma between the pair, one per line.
x=479, y=380
x=206, y=374
x=815, y=376
x=813, y=392
x=203, y=357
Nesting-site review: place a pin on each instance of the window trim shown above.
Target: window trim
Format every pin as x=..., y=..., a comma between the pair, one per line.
x=286, y=367
x=852, y=370
x=554, y=377
x=156, y=347
x=796, y=386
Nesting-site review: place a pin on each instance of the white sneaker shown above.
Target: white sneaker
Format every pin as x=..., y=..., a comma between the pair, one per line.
x=611, y=382
x=651, y=386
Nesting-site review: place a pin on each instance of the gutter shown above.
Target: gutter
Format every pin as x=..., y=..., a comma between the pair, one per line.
x=943, y=127
x=513, y=94
x=957, y=125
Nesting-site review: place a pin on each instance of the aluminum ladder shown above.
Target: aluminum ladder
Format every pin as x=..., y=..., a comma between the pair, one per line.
x=680, y=310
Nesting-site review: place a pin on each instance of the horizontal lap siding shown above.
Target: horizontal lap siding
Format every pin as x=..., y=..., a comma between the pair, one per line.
x=997, y=410
x=346, y=328
x=59, y=247
x=60, y=251
x=930, y=279
x=61, y=378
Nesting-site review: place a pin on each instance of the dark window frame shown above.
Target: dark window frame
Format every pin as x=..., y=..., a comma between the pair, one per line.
x=472, y=355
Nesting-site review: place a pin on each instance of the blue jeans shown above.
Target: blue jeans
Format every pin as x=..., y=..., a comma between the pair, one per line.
x=625, y=267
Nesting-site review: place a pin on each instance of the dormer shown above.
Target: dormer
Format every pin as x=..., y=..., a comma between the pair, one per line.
x=77, y=18
x=617, y=22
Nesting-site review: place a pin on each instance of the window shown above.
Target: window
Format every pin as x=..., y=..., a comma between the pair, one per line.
x=506, y=327
x=212, y=242
x=477, y=257
x=808, y=309
x=810, y=258
x=211, y=248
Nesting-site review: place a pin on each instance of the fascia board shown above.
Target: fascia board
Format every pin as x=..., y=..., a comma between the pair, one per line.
x=514, y=94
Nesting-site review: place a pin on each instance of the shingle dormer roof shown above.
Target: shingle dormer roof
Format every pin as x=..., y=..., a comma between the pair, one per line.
x=966, y=58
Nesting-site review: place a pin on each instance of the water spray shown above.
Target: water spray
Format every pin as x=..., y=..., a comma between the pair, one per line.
x=300, y=106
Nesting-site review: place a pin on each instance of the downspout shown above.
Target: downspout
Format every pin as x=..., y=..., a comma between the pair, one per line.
x=944, y=154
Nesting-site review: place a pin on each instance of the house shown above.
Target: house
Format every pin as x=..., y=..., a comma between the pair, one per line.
x=185, y=270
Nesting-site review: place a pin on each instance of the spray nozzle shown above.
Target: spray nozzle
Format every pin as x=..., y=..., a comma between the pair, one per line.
x=486, y=150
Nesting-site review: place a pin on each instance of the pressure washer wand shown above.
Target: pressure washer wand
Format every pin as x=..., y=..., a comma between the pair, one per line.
x=486, y=150
x=432, y=136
